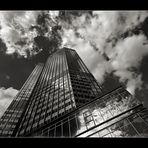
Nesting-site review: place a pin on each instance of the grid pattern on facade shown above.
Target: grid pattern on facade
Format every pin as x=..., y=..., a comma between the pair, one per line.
x=133, y=126
x=94, y=114
x=85, y=86
x=12, y=115
x=63, y=99
x=52, y=96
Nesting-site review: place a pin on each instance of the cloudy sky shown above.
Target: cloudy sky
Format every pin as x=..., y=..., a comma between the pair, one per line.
x=111, y=43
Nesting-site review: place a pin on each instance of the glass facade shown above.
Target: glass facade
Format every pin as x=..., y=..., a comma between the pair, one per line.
x=65, y=84
x=63, y=99
x=116, y=114
x=14, y=112
x=85, y=87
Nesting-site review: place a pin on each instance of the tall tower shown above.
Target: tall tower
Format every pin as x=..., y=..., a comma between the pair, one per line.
x=64, y=85
x=67, y=101
x=13, y=114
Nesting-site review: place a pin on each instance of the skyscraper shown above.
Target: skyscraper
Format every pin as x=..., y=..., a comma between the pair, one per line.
x=12, y=115
x=67, y=101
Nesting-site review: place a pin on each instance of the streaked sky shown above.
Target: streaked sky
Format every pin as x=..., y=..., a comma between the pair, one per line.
x=109, y=42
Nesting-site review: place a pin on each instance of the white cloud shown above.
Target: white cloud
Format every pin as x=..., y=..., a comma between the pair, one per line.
x=134, y=83
x=12, y=25
x=53, y=14
x=6, y=97
x=126, y=54
x=129, y=52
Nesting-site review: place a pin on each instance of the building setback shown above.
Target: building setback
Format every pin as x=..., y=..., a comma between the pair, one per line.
x=64, y=99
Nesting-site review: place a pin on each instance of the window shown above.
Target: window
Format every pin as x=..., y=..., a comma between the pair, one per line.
x=54, y=114
x=37, y=117
x=28, y=128
x=90, y=124
x=61, y=110
x=103, y=132
x=55, y=107
x=73, y=126
x=128, y=131
x=66, y=132
x=41, y=121
x=61, y=104
x=48, y=118
x=34, y=125
x=68, y=107
x=140, y=126
x=52, y=132
x=45, y=133
x=58, y=131
x=87, y=113
x=49, y=110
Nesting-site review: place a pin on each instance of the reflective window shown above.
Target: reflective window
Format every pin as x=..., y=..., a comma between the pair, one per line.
x=66, y=132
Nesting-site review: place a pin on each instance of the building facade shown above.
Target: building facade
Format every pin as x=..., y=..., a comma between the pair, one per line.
x=65, y=100
x=12, y=115
x=115, y=114
x=64, y=85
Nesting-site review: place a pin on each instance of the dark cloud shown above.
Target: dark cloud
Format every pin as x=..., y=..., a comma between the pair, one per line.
x=144, y=69
x=3, y=47
x=143, y=93
x=21, y=42
x=68, y=16
x=43, y=23
x=141, y=28
x=121, y=19
x=144, y=27
x=48, y=37
x=110, y=82
x=95, y=30
x=17, y=68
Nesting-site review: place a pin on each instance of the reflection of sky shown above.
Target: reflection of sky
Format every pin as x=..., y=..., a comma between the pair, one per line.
x=103, y=111
x=96, y=113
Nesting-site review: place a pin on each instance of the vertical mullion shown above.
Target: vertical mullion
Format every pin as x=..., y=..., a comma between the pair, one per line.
x=62, y=128
x=18, y=101
x=38, y=70
x=68, y=81
x=133, y=127
x=29, y=108
x=48, y=83
x=59, y=81
x=69, y=127
x=52, y=80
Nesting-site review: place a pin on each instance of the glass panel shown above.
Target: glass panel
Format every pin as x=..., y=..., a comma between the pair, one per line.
x=115, y=128
x=95, y=135
x=103, y=132
x=88, y=119
x=113, y=109
x=45, y=133
x=128, y=131
x=73, y=127
x=90, y=124
x=108, y=135
x=51, y=132
x=87, y=113
x=81, y=123
x=58, y=131
x=140, y=126
x=65, y=129
x=117, y=133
